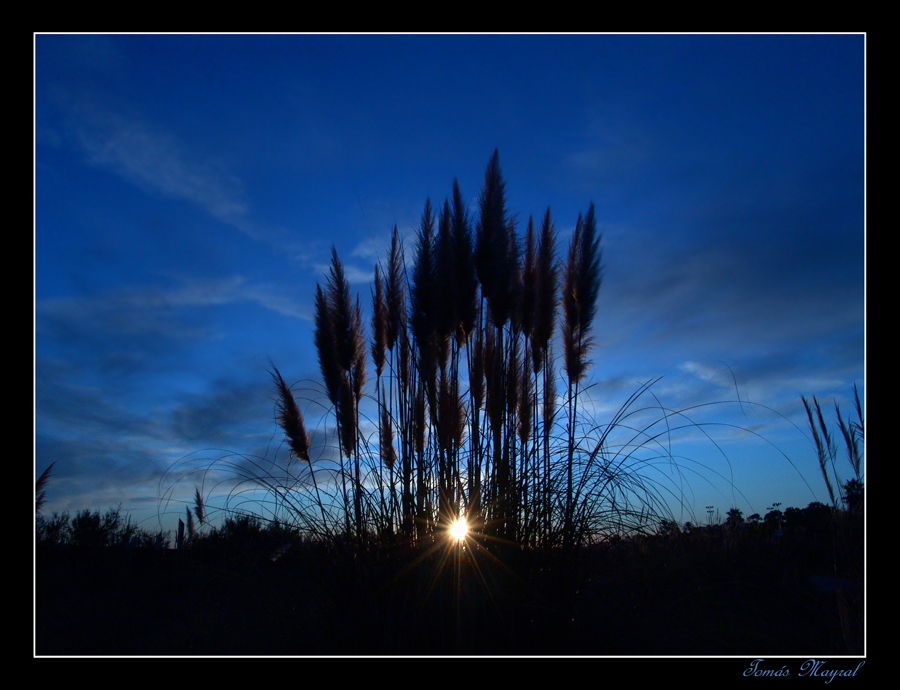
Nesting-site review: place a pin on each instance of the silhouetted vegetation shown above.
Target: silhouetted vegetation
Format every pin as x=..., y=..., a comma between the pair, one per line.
x=255, y=587
x=40, y=489
x=472, y=416
x=91, y=529
x=853, y=435
x=572, y=547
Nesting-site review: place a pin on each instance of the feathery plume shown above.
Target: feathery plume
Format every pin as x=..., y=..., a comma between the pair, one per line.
x=581, y=284
x=512, y=295
x=199, y=509
x=341, y=313
x=386, y=440
x=40, y=488
x=851, y=441
x=547, y=279
x=191, y=530
x=466, y=283
x=496, y=249
x=445, y=305
x=422, y=293
x=590, y=273
x=290, y=419
x=823, y=445
x=530, y=284
x=358, y=371
x=394, y=294
x=379, y=324
x=326, y=346
x=492, y=228
x=339, y=327
x=404, y=373
x=859, y=426
x=423, y=314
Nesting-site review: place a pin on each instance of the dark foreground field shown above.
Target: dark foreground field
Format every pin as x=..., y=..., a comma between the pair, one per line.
x=705, y=593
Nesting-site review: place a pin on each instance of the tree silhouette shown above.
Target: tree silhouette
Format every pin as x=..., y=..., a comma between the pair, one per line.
x=734, y=518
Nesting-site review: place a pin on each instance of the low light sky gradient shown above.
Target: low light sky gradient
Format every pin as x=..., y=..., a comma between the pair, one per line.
x=188, y=190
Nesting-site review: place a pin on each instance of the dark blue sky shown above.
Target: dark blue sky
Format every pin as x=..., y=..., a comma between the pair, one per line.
x=188, y=190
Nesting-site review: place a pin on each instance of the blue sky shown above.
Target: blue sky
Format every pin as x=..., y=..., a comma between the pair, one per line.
x=188, y=190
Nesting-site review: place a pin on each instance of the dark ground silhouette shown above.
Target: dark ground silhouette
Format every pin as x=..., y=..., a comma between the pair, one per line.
x=708, y=592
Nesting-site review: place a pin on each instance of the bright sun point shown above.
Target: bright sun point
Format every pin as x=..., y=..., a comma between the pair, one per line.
x=458, y=529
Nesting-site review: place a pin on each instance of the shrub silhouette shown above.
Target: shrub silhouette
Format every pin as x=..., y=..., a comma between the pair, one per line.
x=92, y=529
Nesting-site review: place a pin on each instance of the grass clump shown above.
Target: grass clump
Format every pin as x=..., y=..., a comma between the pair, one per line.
x=468, y=414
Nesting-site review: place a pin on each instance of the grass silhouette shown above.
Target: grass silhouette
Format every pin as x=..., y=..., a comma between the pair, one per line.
x=572, y=544
x=471, y=415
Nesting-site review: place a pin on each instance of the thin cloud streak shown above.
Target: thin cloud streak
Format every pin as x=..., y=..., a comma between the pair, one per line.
x=148, y=156
x=152, y=309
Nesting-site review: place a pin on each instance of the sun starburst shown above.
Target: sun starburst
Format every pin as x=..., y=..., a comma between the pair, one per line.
x=459, y=529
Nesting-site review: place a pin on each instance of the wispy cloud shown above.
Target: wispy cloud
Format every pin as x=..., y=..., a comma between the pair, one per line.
x=101, y=447
x=219, y=414
x=153, y=310
x=151, y=157
x=354, y=274
x=371, y=248
x=232, y=290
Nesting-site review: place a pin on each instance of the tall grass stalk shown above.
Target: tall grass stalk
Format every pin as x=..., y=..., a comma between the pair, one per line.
x=853, y=435
x=581, y=284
